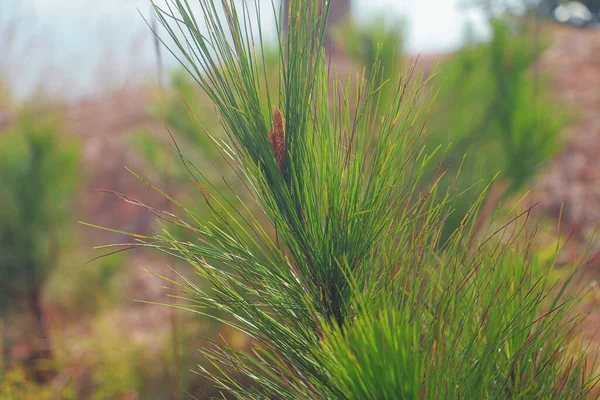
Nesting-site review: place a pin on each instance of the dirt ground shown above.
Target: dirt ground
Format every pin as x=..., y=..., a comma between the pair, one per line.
x=573, y=177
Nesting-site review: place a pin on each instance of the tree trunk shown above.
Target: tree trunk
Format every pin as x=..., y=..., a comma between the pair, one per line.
x=41, y=352
x=4, y=364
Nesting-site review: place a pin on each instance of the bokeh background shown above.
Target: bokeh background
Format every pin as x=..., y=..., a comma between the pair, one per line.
x=85, y=92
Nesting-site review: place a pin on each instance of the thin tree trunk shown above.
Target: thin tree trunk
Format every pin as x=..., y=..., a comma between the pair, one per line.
x=4, y=363
x=41, y=352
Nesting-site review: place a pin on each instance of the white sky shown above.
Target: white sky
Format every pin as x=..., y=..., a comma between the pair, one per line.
x=434, y=24
x=74, y=40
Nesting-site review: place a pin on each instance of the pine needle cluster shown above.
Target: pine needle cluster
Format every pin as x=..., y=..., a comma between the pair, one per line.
x=346, y=292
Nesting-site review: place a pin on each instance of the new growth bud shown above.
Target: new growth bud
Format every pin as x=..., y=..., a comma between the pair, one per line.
x=277, y=138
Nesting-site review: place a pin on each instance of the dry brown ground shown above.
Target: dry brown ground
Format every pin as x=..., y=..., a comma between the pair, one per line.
x=572, y=180
x=573, y=177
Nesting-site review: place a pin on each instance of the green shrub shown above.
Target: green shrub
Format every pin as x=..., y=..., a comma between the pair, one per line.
x=376, y=46
x=190, y=115
x=377, y=42
x=183, y=108
x=14, y=385
x=38, y=175
x=117, y=370
x=496, y=110
x=82, y=289
x=352, y=296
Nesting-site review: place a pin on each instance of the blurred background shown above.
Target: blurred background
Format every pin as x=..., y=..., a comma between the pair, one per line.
x=85, y=91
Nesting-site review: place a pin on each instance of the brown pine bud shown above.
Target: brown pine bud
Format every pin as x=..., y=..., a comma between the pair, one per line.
x=277, y=138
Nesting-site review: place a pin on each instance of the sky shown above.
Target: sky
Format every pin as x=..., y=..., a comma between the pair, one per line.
x=75, y=44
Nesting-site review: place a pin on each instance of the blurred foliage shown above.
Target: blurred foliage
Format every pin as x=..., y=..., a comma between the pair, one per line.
x=500, y=7
x=117, y=370
x=39, y=172
x=579, y=12
x=186, y=112
x=191, y=118
x=495, y=108
x=195, y=125
x=109, y=361
x=188, y=116
x=38, y=175
x=5, y=98
x=376, y=45
x=379, y=41
x=14, y=385
x=491, y=106
x=73, y=281
x=121, y=354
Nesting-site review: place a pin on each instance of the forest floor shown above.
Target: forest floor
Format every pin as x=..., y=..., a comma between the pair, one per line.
x=573, y=177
